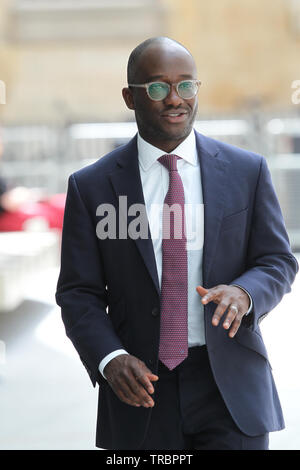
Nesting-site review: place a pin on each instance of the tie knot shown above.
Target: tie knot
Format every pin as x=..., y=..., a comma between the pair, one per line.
x=169, y=161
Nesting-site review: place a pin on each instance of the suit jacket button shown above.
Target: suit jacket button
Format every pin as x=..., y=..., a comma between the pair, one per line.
x=155, y=312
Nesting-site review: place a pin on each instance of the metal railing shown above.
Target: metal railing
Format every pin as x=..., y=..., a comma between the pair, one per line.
x=41, y=156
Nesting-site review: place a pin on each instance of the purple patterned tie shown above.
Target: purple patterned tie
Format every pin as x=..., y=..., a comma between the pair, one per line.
x=173, y=346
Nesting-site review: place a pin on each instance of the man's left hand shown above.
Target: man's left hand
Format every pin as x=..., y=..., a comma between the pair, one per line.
x=230, y=298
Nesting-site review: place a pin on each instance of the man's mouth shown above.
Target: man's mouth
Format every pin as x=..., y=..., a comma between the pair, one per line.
x=175, y=117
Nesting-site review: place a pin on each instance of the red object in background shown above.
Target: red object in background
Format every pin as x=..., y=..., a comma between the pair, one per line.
x=51, y=210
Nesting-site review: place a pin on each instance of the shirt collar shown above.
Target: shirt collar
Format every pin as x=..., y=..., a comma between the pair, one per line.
x=148, y=153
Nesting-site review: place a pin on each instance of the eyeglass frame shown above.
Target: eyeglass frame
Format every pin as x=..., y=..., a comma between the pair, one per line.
x=147, y=85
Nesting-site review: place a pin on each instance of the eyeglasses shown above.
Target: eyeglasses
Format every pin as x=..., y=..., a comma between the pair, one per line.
x=158, y=91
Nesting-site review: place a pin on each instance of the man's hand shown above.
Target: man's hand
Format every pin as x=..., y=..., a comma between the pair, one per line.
x=227, y=297
x=131, y=380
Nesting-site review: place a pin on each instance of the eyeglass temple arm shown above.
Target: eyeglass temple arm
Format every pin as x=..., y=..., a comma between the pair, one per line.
x=144, y=85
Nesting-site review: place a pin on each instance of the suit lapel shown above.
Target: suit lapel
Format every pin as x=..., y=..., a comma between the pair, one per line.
x=126, y=181
x=214, y=177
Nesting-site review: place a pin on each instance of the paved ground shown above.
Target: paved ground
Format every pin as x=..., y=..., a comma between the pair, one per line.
x=48, y=402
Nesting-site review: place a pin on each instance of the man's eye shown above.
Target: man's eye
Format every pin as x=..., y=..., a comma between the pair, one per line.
x=158, y=91
x=158, y=86
x=186, y=85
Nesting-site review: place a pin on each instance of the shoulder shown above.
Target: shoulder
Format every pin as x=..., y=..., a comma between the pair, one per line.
x=228, y=152
x=101, y=169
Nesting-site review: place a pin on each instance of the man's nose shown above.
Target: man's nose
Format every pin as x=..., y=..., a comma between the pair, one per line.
x=173, y=98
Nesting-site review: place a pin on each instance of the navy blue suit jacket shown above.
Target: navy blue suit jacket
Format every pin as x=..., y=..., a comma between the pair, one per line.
x=109, y=294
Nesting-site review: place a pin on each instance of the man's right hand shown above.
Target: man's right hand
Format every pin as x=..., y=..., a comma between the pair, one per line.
x=131, y=380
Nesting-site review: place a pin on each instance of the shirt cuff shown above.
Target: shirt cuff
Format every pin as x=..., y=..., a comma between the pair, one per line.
x=108, y=358
x=250, y=298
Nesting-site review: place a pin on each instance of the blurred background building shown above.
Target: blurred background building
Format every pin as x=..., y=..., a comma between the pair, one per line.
x=65, y=60
x=63, y=63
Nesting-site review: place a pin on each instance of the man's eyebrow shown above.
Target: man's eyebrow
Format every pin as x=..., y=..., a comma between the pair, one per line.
x=154, y=77
x=160, y=77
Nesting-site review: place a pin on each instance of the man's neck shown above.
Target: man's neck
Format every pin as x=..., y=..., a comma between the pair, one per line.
x=166, y=147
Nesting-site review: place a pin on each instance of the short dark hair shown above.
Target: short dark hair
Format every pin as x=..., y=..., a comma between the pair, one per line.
x=137, y=52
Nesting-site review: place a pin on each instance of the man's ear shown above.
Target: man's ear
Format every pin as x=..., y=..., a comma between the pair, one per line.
x=128, y=98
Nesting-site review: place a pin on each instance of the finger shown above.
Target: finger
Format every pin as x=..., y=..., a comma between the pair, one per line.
x=145, y=385
x=232, y=313
x=235, y=326
x=128, y=389
x=153, y=377
x=146, y=380
x=125, y=394
x=201, y=291
x=138, y=395
x=144, y=376
x=139, y=391
x=218, y=313
x=123, y=397
x=210, y=295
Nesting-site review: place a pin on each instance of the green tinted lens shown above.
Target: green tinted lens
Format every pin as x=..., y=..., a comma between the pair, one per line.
x=158, y=91
x=187, y=89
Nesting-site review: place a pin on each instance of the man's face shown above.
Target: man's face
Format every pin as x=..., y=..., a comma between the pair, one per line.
x=165, y=123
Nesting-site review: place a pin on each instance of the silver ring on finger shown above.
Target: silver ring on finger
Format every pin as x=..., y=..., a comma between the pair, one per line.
x=234, y=307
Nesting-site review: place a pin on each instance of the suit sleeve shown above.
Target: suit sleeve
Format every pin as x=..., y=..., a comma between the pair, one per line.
x=81, y=289
x=271, y=266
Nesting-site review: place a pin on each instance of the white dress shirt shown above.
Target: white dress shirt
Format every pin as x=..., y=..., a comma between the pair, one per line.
x=155, y=183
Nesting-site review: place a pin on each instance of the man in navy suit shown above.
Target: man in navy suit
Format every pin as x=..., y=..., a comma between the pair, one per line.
x=239, y=265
